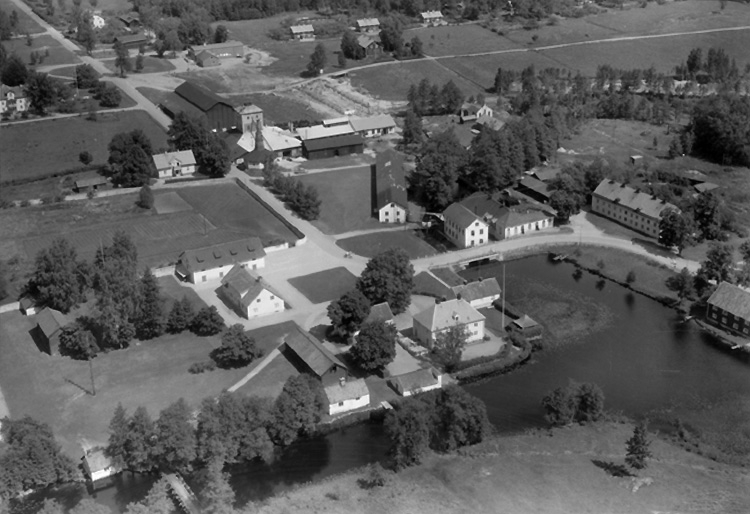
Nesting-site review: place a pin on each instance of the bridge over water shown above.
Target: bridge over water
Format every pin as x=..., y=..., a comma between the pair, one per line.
x=184, y=496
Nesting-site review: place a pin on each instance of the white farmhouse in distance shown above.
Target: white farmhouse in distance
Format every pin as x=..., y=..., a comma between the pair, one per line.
x=174, y=164
x=463, y=228
x=347, y=395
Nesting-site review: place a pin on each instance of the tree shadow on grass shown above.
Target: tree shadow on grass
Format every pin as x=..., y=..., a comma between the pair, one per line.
x=612, y=469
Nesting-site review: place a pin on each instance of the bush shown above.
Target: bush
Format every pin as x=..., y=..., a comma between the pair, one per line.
x=110, y=96
x=201, y=367
x=207, y=322
x=85, y=158
x=577, y=402
x=146, y=197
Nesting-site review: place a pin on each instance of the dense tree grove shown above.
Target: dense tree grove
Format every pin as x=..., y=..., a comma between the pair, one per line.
x=301, y=199
x=59, y=279
x=443, y=420
x=297, y=409
x=388, y=277
x=427, y=99
x=211, y=151
x=449, y=346
x=721, y=130
x=130, y=159
x=582, y=403
x=31, y=457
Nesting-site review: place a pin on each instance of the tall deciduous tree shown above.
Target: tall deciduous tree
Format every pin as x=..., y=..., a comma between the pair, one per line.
x=296, y=410
x=375, y=347
x=218, y=493
x=58, y=281
x=157, y=501
x=175, y=444
x=211, y=152
x=42, y=91
x=150, y=320
x=408, y=428
x=441, y=160
x=717, y=266
x=412, y=133
x=221, y=34
x=682, y=284
x=348, y=313
x=450, y=344
x=675, y=229
x=139, y=447
x=237, y=348
x=117, y=446
x=89, y=506
x=318, y=60
x=77, y=343
x=130, y=158
x=388, y=277
x=350, y=47
x=207, y=322
x=462, y=419
x=122, y=59
x=14, y=72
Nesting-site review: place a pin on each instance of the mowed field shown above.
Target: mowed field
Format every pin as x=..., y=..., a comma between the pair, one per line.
x=459, y=40
x=346, y=199
x=28, y=150
x=278, y=109
x=26, y=24
x=57, y=53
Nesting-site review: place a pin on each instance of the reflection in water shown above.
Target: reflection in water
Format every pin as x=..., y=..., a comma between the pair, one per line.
x=644, y=359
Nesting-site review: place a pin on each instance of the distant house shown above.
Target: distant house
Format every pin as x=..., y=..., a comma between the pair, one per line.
x=98, y=22
x=391, y=205
x=27, y=306
x=534, y=188
x=206, y=59
x=415, y=382
x=371, y=45
x=251, y=117
x=212, y=262
x=544, y=174
x=174, y=164
x=13, y=100
x=333, y=146
x=528, y=327
x=224, y=50
x=431, y=18
x=347, y=395
x=630, y=207
x=132, y=40
x=339, y=121
x=380, y=312
x=50, y=323
x=506, y=222
x=329, y=128
x=471, y=112
x=729, y=309
x=89, y=184
x=479, y=294
x=373, y=126
x=368, y=25
x=96, y=465
x=131, y=20
x=281, y=142
x=218, y=112
x=463, y=228
x=429, y=323
x=249, y=294
x=705, y=187
x=302, y=32
x=315, y=358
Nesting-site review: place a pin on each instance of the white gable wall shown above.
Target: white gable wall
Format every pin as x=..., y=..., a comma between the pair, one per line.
x=265, y=303
x=347, y=405
x=218, y=273
x=392, y=213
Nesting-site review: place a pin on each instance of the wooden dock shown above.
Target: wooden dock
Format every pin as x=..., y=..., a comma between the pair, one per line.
x=184, y=496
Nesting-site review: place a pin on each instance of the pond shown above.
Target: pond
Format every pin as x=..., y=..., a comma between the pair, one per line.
x=639, y=352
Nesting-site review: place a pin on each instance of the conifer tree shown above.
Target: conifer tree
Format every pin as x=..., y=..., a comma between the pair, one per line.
x=638, y=447
x=180, y=316
x=140, y=441
x=150, y=322
x=118, y=436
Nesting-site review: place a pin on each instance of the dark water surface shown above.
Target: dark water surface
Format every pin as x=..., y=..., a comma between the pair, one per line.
x=642, y=356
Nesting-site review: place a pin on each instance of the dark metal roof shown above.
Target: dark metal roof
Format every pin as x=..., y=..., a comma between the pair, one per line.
x=390, y=181
x=218, y=255
x=199, y=96
x=732, y=299
x=50, y=321
x=333, y=142
x=312, y=352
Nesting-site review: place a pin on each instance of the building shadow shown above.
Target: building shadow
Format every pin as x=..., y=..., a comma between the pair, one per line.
x=612, y=469
x=40, y=340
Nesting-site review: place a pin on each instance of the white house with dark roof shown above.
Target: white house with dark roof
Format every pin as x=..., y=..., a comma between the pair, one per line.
x=472, y=111
x=302, y=32
x=463, y=228
x=249, y=294
x=214, y=262
x=368, y=25
x=347, y=395
x=96, y=465
x=729, y=308
x=479, y=294
x=506, y=222
x=13, y=100
x=372, y=126
x=429, y=323
x=630, y=207
x=391, y=205
x=415, y=382
x=174, y=164
x=431, y=18
x=314, y=357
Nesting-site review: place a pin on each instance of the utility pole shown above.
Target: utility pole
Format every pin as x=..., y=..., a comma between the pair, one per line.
x=91, y=373
x=503, y=322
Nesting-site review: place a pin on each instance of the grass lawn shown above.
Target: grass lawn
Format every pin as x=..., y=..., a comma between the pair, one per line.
x=270, y=381
x=231, y=208
x=25, y=23
x=150, y=65
x=459, y=40
x=392, y=81
x=346, y=199
x=27, y=152
x=152, y=374
x=426, y=284
x=482, y=68
x=369, y=245
x=57, y=53
x=279, y=109
x=325, y=286
x=545, y=471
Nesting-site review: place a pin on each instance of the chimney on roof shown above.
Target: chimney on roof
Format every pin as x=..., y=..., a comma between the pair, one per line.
x=455, y=316
x=342, y=381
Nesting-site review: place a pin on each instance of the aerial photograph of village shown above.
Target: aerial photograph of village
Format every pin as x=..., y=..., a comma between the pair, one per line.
x=374, y=256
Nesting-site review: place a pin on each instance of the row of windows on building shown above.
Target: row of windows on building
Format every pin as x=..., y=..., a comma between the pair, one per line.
x=735, y=325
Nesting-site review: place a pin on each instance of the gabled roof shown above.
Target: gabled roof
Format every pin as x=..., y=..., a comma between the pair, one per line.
x=218, y=46
x=379, y=122
x=390, y=181
x=333, y=142
x=545, y=174
x=97, y=460
x=705, y=186
x=164, y=160
x=470, y=108
x=301, y=29
x=333, y=122
x=525, y=321
x=366, y=41
x=447, y=314
x=134, y=38
x=349, y=390
x=18, y=92
x=248, y=109
x=321, y=131
x=483, y=205
x=460, y=215
x=518, y=215
x=312, y=352
x=535, y=185
x=368, y=22
x=27, y=302
x=50, y=321
x=247, y=284
x=204, y=55
x=380, y=312
x=486, y=288
x=418, y=379
x=431, y=15
x=201, y=97
x=215, y=256
x=732, y=299
x=629, y=197
x=278, y=140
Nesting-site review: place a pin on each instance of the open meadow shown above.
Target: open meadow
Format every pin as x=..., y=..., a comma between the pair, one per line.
x=150, y=65
x=57, y=53
x=27, y=152
x=346, y=197
x=459, y=40
x=26, y=24
x=279, y=109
